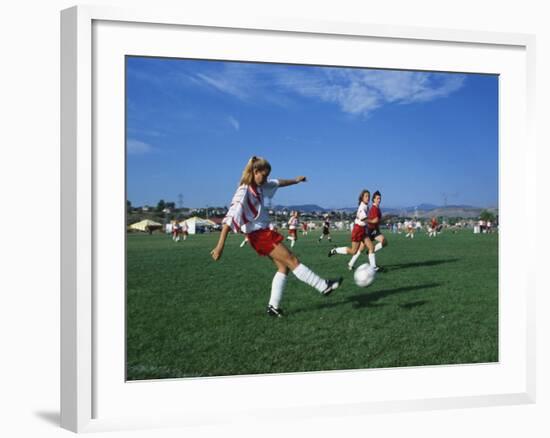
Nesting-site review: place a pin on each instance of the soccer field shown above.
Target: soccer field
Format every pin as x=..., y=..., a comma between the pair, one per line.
x=188, y=316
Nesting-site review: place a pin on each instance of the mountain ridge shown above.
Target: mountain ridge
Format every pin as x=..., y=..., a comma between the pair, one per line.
x=421, y=210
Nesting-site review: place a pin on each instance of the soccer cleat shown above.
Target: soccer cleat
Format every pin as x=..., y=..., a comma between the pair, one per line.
x=332, y=252
x=273, y=311
x=351, y=268
x=379, y=269
x=332, y=285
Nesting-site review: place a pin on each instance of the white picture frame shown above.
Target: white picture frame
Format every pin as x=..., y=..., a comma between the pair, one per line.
x=93, y=395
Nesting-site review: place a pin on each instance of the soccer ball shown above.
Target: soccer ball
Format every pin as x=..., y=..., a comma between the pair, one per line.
x=364, y=275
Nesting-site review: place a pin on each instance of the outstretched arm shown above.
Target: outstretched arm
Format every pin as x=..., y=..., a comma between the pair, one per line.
x=290, y=182
x=216, y=253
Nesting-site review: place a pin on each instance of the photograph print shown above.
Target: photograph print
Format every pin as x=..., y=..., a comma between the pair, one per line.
x=303, y=218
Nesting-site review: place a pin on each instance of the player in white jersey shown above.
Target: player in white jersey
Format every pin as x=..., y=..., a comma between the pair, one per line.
x=410, y=229
x=293, y=228
x=184, y=230
x=248, y=215
x=176, y=231
x=359, y=239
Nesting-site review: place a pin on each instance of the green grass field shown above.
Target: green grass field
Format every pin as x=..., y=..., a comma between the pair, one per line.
x=188, y=316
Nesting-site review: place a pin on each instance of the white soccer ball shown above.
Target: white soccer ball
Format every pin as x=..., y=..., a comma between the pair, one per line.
x=364, y=275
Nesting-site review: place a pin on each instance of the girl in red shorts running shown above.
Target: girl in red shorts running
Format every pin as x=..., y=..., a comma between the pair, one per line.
x=248, y=215
x=359, y=239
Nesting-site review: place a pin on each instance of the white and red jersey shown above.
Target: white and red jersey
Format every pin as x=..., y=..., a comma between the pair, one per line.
x=184, y=227
x=362, y=214
x=293, y=223
x=247, y=212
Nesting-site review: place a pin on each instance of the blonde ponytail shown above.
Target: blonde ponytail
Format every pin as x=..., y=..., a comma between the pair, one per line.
x=255, y=163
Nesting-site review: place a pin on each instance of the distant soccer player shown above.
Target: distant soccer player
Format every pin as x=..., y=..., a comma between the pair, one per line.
x=293, y=228
x=176, y=230
x=326, y=229
x=184, y=230
x=410, y=229
x=377, y=239
x=359, y=237
x=248, y=215
x=304, y=228
x=433, y=227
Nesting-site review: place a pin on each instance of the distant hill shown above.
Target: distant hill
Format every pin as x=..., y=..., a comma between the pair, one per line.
x=420, y=211
x=458, y=211
x=304, y=208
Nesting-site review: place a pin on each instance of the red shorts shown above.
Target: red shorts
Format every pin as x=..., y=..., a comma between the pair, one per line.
x=293, y=234
x=263, y=241
x=358, y=233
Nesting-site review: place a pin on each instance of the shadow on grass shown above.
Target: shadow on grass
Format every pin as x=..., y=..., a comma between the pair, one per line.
x=413, y=304
x=370, y=299
x=419, y=264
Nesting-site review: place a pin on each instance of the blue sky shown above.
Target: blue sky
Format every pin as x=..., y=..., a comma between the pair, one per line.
x=418, y=137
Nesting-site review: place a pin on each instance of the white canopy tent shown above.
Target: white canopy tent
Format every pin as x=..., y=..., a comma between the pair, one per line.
x=195, y=223
x=146, y=225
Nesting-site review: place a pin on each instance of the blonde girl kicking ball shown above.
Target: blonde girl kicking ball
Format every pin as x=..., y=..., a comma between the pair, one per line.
x=248, y=215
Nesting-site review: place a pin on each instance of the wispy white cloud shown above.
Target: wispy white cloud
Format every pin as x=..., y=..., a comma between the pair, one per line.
x=229, y=85
x=355, y=91
x=248, y=82
x=234, y=123
x=136, y=147
x=358, y=91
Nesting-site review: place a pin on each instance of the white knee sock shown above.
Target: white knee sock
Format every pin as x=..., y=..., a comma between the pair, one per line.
x=378, y=247
x=354, y=258
x=372, y=260
x=303, y=273
x=341, y=250
x=277, y=289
